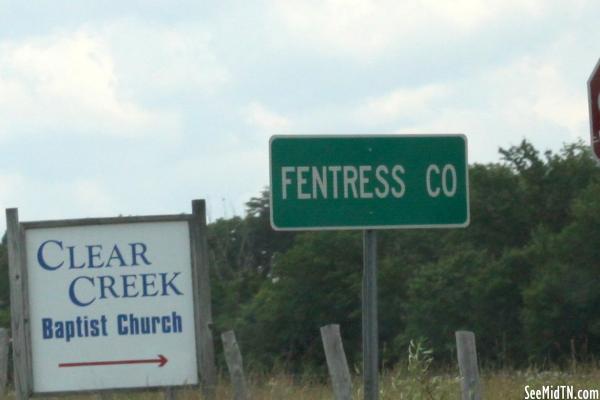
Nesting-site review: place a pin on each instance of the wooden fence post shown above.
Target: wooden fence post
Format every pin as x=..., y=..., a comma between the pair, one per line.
x=170, y=393
x=235, y=365
x=467, y=363
x=19, y=305
x=336, y=362
x=3, y=361
x=204, y=337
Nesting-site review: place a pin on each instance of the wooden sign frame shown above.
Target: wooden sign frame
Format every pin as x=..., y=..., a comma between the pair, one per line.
x=20, y=308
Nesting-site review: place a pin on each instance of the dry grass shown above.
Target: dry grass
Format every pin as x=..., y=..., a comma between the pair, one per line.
x=399, y=384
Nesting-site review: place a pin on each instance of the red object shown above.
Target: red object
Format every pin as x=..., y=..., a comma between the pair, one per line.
x=594, y=103
x=161, y=360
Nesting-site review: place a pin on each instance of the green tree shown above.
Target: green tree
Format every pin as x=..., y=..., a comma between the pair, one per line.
x=262, y=242
x=498, y=219
x=468, y=290
x=242, y=251
x=316, y=282
x=551, y=185
x=562, y=303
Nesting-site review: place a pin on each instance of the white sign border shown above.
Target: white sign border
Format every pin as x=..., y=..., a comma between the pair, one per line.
x=191, y=219
x=369, y=227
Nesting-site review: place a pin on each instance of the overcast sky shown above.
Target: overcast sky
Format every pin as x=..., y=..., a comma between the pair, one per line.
x=129, y=108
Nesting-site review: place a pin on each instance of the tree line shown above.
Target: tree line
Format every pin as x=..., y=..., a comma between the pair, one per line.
x=524, y=276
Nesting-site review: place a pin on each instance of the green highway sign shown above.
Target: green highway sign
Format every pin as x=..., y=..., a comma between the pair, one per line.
x=369, y=182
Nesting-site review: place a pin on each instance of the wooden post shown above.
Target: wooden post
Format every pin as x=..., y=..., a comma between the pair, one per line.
x=3, y=361
x=336, y=362
x=234, y=365
x=18, y=305
x=203, y=321
x=170, y=393
x=467, y=363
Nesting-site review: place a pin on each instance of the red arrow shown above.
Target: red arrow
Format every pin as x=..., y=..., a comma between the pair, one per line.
x=161, y=360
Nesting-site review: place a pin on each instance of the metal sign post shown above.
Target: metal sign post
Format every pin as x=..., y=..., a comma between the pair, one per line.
x=369, y=316
x=369, y=182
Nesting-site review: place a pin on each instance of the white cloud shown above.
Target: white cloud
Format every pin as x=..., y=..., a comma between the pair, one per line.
x=67, y=83
x=531, y=92
x=38, y=198
x=402, y=102
x=226, y=177
x=94, y=196
x=12, y=187
x=467, y=15
x=484, y=130
x=368, y=27
x=526, y=98
x=156, y=60
x=266, y=120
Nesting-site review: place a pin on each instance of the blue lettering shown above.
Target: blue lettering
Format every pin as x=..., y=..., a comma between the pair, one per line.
x=103, y=322
x=74, y=299
x=130, y=324
x=60, y=330
x=121, y=329
x=92, y=256
x=127, y=285
x=80, y=327
x=47, y=328
x=169, y=284
x=145, y=322
x=107, y=286
x=94, y=328
x=177, y=322
x=166, y=324
x=40, y=256
x=116, y=254
x=72, y=258
x=69, y=330
x=135, y=252
x=146, y=283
